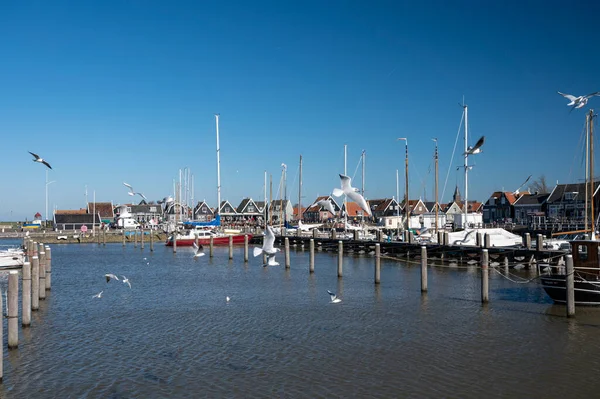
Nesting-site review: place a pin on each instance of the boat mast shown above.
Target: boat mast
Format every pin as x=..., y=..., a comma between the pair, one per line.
x=300, y=193
x=406, y=206
x=591, y=124
x=363, y=182
x=466, y=202
x=587, y=173
x=218, y=168
x=266, y=204
x=397, y=205
x=345, y=197
x=436, y=185
x=270, y=199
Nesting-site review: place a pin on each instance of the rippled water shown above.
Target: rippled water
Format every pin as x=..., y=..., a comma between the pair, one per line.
x=174, y=335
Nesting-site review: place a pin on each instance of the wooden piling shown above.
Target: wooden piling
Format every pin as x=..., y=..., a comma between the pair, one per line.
x=487, y=241
x=355, y=235
x=135, y=238
x=151, y=241
x=245, y=247
x=42, y=275
x=333, y=234
x=142, y=239
x=311, y=261
x=340, y=258
x=26, y=301
x=570, y=285
x=287, y=252
x=423, y=268
x=104, y=237
x=446, y=238
x=527, y=240
x=174, y=234
x=506, y=264
x=230, y=247
x=48, y=268
x=315, y=233
x=485, y=296
x=35, y=283
x=123, y=232
x=377, y=263
x=13, y=309
x=539, y=243
x=211, y=245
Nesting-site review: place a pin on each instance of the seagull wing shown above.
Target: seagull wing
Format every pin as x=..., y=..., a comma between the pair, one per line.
x=269, y=239
x=569, y=96
x=331, y=294
x=360, y=200
x=525, y=182
x=128, y=185
x=47, y=164
x=329, y=206
x=36, y=156
x=346, y=184
x=597, y=93
x=142, y=195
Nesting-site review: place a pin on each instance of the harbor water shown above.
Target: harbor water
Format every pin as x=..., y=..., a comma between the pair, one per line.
x=173, y=334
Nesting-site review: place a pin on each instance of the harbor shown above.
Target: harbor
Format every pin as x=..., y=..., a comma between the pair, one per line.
x=279, y=335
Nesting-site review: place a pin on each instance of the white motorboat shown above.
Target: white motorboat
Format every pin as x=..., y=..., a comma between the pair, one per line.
x=11, y=257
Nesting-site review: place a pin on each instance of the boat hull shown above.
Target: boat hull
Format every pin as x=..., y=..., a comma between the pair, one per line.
x=220, y=240
x=586, y=292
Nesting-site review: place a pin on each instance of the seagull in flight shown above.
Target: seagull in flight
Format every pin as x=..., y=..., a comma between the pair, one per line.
x=109, y=276
x=525, y=182
x=98, y=295
x=197, y=251
x=476, y=149
x=334, y=298
x=351, y=193
x=37, y=158
x=578, y=102
x=131, y=192
x=126, y=281
x=268, y=247
x=326, y=204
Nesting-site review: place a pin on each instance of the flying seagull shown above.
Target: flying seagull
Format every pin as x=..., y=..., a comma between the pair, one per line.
x=37, y=158
x=476, y=149
x=126, y=281
x=131, y=192
x=351, y=193
x=334, y=298
x=326, y=204
x=109, y=276
x=578, y=102
x=525, y=182
x=267, y=247
x=98, y=295
x=197, y=251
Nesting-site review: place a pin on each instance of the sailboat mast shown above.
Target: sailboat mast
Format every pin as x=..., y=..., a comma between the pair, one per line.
x=270, y=199
x=587, y=172
x=345, y=198
x=436, y=185
x=300, y=192
x=218, y=168
x=363, y=173
x=466, y=202
x=397, y=205
x=266, y=204
x=591, y=119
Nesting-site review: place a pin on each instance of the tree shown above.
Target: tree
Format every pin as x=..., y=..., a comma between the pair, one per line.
x=540, y=185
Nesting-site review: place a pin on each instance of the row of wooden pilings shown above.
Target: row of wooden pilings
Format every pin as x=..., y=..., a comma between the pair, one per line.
x=36, y=280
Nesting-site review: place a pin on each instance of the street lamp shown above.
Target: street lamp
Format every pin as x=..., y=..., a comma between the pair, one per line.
x=406, y=176
x=47, y=184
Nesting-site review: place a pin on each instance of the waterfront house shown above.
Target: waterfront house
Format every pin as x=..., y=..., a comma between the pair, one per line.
x=104, y=210
x=248, y=212
x=145, y=213
x=529, y=207
x=203, y=212
x=567, y=202
x=387, y=212
x=500, y=206
x=228, y=212
x=355, y=212
x=317, y=214
x=417, y=207
x=74, y=219
x=279, y=209
x=299, y=212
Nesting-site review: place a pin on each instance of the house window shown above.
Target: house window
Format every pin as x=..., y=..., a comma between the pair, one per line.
x=570, y=196
x=153, y=209
x=251, y=208
x=503, y=200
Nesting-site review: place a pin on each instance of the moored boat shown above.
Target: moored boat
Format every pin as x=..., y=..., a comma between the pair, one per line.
x=202, y=237
x=11, y=257
x=586, y=266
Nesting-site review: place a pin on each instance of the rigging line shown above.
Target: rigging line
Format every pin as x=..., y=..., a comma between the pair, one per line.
x=294, y=182
x=462, y=118
x=357, y=165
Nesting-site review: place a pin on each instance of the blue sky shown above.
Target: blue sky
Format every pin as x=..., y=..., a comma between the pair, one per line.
x=126, y=91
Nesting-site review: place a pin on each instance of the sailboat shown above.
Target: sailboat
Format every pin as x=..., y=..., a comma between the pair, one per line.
x=201, y=233
x=586, y=253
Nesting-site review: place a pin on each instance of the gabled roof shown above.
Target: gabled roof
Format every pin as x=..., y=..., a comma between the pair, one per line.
x=381, y=204
x=302, y=210
x=560, y=189
x=244, y=204
x=223, y=203
x=104, y=209
x=81, y=211
x=532, y=199
x=510, y=196
x=354, y=209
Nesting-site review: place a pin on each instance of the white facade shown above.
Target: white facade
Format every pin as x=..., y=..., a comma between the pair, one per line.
x=473, y=220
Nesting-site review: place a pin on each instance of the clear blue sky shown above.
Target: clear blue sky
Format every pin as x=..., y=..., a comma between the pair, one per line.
x=125, y=91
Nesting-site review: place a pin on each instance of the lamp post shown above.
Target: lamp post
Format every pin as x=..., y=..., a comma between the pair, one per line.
x=407, y=207
x=47, y=184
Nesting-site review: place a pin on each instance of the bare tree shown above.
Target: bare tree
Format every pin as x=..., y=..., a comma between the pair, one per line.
x=540, y=185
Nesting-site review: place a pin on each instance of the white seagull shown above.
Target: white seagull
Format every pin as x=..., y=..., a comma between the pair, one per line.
x=578, y=102
x=334, y=298
x=197, y=251
x=267, y=247
x=126, y=281
x=40, y=160
x=98, y=295
x=476, y=149
x=131, y=192
x=525, y=182
x=227, y=299
x=326, y=204
x=109, y=276
x=351, y=193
